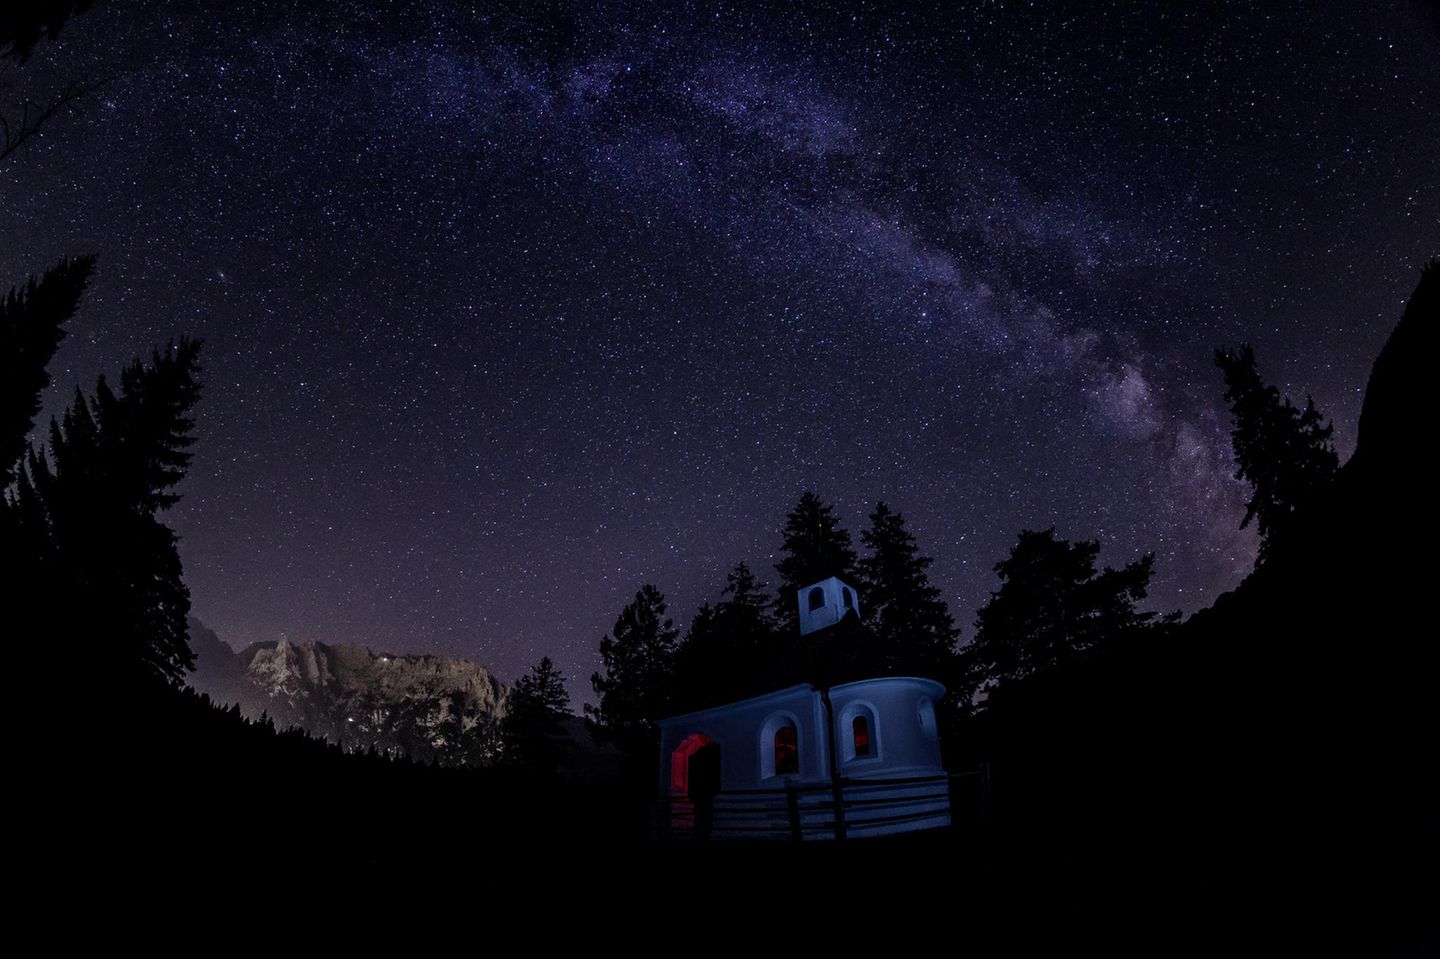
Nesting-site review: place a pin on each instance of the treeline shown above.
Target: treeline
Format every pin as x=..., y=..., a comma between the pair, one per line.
x=1055, y=608
x=1279, y=744
x=118, y=756
x=84, y=554
x=1053, y=605
x=1290, y=726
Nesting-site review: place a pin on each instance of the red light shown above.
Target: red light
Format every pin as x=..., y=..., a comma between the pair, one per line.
x=680, y=761
x=861, y=728
x=787, y=752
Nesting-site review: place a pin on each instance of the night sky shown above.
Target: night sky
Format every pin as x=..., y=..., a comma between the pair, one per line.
x=506, y=315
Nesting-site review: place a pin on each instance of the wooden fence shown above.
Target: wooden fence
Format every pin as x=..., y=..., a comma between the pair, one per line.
x=851, y=808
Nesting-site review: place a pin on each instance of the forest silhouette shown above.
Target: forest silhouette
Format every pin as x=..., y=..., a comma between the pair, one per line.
x=1290, y=723
x=1293, y=716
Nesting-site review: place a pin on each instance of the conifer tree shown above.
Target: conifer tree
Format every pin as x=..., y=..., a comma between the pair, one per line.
x=747, y=601
x=1052, y=609
x=743, y=617
x=108, y=568
x=1284, y=453
x=32, y=321
x=25, y=24
x=816, y=547
x=639, y=662
x=533, y=730
x=729, y=649
x=904, y=610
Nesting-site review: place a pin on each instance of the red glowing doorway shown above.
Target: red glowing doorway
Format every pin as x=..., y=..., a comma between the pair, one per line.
x=695, y=766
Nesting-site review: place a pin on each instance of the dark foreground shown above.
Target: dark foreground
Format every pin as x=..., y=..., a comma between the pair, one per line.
x=1271, y=765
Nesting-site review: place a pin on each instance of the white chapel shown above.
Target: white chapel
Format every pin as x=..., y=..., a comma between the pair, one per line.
x=808, y=762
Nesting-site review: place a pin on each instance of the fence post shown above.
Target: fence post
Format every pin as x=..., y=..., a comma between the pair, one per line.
x=836, y=789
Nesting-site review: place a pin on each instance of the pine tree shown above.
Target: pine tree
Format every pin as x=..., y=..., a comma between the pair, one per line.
x=634, y=691
x=544, y=688
x=32, y=324
x=108, y=568
x=25, y=24
x=1284, y=453
x=905, y=612
x=816, y=548
x=729, y=650
x=1052, y=609
x=748, y=603
x=533, y=731
x=743, y=618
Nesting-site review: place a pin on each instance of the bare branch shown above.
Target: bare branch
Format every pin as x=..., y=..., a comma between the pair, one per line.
x=33, y=115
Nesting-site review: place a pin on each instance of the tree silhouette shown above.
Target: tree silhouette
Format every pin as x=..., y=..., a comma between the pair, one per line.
x=1052, y=609
x=22, y=26
x=639, y=662
x=816, y=548
x=108, y=569
x=904, y=611
x=533, y=730
x=32, y=324
x=1284, y=453
x=748, y=603
x=730, y=649
x=32, y=318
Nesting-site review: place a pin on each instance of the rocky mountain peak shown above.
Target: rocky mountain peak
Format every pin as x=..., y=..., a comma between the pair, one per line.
x=348, y=693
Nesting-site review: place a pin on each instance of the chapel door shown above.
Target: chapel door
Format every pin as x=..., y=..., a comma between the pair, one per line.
x=705, y=771
x=704, y=785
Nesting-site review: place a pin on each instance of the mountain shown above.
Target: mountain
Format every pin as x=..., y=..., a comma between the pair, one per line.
x=427, y=707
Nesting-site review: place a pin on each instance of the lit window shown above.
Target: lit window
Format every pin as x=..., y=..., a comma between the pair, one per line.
x=861, y=728
x=787, y=752
x=817, y=598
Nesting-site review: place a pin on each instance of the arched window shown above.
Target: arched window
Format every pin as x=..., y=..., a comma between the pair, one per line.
x=787, y=751
x=849, y=597
x=858, y=735
x=860, y=729
x=817, y=598
x=927, y=718
x=779, y=745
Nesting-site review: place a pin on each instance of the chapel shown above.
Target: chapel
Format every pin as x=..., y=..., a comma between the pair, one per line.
x=809, y=762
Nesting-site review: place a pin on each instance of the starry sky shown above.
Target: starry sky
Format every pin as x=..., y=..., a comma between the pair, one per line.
x=510, y=310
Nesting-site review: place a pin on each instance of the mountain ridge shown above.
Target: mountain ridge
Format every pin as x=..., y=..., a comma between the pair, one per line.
x=349, y=694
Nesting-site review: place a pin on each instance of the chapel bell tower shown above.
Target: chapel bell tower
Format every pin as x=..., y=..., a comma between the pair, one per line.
x=825, y=603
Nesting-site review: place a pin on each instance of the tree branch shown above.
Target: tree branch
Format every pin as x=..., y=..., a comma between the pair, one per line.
x=33, y=116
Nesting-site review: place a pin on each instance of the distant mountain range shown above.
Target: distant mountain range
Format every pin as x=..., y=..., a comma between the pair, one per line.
x=349, y=694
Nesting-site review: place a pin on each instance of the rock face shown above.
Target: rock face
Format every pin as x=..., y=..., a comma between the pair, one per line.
x=1396, y=419
x=417, y=705
x=1292, y=721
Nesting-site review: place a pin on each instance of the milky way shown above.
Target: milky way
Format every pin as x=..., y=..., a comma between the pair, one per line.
x=506, y=314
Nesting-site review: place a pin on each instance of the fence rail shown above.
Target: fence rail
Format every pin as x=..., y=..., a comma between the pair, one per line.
x=866, y=807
